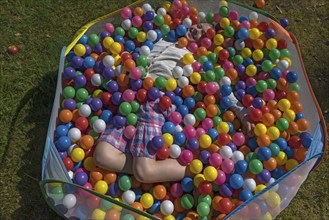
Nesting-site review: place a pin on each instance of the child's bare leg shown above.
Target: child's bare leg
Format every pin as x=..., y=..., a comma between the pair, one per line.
x=108, y=157
x=148, y=170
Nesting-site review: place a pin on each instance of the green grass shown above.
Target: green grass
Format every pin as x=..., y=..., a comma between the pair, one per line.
x=28, y=80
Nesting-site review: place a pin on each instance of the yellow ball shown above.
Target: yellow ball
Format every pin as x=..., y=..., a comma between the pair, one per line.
x=107, y=42
x=251, y=70
x=259, y=129
x=223, y=3
x=101, y=187
x=196, y=166
x=89, y=163
x=117, y=207
x=258, y=55
x=218, y=39
x=291, y=164
x=271, y=44
x=210, y=173
x=79, y=50
x=188, y=59
x=289, y=114
x=259, y=188
x=284, y=104
x=205, y=141
x=168, y=139
x=171, y=84
x=195, y=78
x=147, y=200
x=246, y=52
x=223, y=127
x=169, y=217
x=273, y=199
x=217, y=49
x=267, y=216
x=141, y=36
x=224, y=22
x=254, y=33
x=98, y=214
x=273, y=132
x=166, y=5
x=115, y=48
x=281, y=158
x=288, y=60
x=78, y=154
x=117, y=59
x=198, y=179
x=97, y=93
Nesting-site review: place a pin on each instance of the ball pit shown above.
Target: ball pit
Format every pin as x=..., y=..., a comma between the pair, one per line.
x=233, y=174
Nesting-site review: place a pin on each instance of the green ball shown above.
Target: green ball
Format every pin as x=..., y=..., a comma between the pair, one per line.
x=251, y=156
x=261, y=86
x=255, y=166
x=202, y=59
x=198, y=96
x=203, y=209
x=205, y=198
x=274, y=54
x=284, y=53
x=210, y=17
x=134, y=106
x=69, y=92
x=265, y=52
x=133, y=32
x=223, y=11
x=216, y=120
x=160, y=82
x=125, y=108
x=231, y=51
x=275, y=149
x=200, y=114
x=143, y=71
x=119, y=31
x=271, y=83
x=215, y=187
x=77, y=73
x=237, y=59
x=93, y=39
x=127, y=217
x=187, y=201
x=82, y=94
x=78, y=105
x=94, y=134
x=219, y=112
x=219, y=73
x=131, y=119
x=229, y=31
x=209, y=76
x=267, y=66
x=158, y=20
x=57, y=193
x=212, y=57
x=165, y=29
x=106, y=205
x=294, y=87
x=142, y=61
x=282, y=124
x=92, y=120
x=124, y=183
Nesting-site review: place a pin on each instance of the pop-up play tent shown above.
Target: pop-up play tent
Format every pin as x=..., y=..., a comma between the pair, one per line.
x=267, y=191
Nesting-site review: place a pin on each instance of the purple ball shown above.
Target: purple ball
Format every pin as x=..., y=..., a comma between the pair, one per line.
x=154, y=93
x=80, y=81
x=257, y=102
x=136, y=84
x=264, y=176
x=98, y=67
x=119, y=121
x=77, y=62
x=204, y=156
x=157, y=142
x=63, y=154
x=192, y=144
x=88, y=50
x=69, y=73
x=96, y=104
x=114, y=190
x=149, y=15
x=171, y=95
x=224, y=190
x=239, y=94
x=105, y=34
x=240, y=69
x=108, y=72
x=98, y=48
x=148, y=25
x=269, y=33
x=81, y=178
x=135, y=56
x=117, y=98
x=232, y=146
x=70, y=104
x=88, y=101
x=112, y=86
x=284, y=22
x=240, y=85
x=178, y=90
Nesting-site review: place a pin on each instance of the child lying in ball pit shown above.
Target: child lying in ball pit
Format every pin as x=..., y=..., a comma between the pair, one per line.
x=135, y=156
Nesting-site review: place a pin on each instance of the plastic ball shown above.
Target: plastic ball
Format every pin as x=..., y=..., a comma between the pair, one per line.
x=226, y=152
x=77, y=155
x=255, y=166
x=69, y=201
x=128, y=196
x=225, y=205
x=210, y=173
x=236, y=181
x=175, y=151
x=167, y=207
x=273, y=199
x=249, y=184
x=188, y=59
x=227, y=166
x=99, y=126
x=74, y=134
x=203, y=209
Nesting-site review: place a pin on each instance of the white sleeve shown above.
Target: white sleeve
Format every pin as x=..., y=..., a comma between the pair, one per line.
x=238, y=108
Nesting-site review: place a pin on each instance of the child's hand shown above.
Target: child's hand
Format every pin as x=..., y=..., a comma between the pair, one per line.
x=247, y=127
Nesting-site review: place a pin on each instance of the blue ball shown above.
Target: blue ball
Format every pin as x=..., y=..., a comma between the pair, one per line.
x=157, y=142
x=181, y=30
x=282, y=143
x=159, y=34
x=129, y=45
x=225, y=190
x=69, y=188
x=148, y=43
x=243, y=18
x=168, y=127
x=225, y=103
x=61, y=130
x=290, y=152
x=204, y=156
x=148, y=25
x=264, y=153
x=236, y=181
x=81, y=178
x=76, y=166
x=292, y=77
x=61, y=208
x=189, y=102
x=179, y=138
x=82, y=211
x=231, y=128
x=183, y=110
x=241, y=167
x=106, y=116
x=245, y=194
x=83, y=39
x=207, y=66
x=284, y=22
x=248, y=61
x=226, y=90
x=63, y=143
x=252, y=143
x=155, y=207
x=277, y=173
x=112, y=86
x=119, y=39
x=307, y=140
x=275, y=73
x=180, y=216
x=178, y=101
x=171, y=36
x=299, y=116
x=187, y=184
x=251, y=90
x=213, y=133
x=243, y=34
x=138, y=192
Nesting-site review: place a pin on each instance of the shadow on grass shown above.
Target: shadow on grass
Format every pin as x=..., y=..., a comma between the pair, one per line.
x=39, y=101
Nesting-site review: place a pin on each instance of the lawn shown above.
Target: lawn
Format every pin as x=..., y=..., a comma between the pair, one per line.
x=27, y=84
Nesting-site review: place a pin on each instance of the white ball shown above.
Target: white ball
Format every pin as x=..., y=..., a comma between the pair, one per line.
x=249, y=184
x=71, y=174
x=161, y=11
x=187, y=70
x=253, y=15
x=187, y=22
x=129, y=197
x=183, y=81
x=201, y=16
x=237, y=155
x=69, y=201
x=96, y=79
x=175, y=151
x=74, y=134
x=167, y=207
x=71, y=148
x=239, y=45
x=126, y=24
x=85, y=110
x=178, y=128
x=275, y=187
x=146, y=7
x=108, y=60
x=283, y=65
x=177, y=72
x=118, y=70
x=225, y=80
x=226, y=152
x=151, y=35
x=145, y=51
x=189, y=119
x=99, y=125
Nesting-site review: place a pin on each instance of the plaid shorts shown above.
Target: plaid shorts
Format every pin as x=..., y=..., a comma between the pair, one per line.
x=150, y=122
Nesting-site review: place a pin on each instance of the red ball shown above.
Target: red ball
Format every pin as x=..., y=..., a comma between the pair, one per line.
x=13, y=49
x=81, y=123
x=176, y=22
x=282, y=44
x=295, y=142
x=141, y=95
x=106, y=98
x=93, y=201
x=255, y=115
x=194, y=19
x=211, y=33
x=125, y=56
x=262, y=26
x=201, y=87
x=223, y=54
x=225, y=205
x=254, y=209
x=223, y=138
x=68, y=163
x=200, y=105
x=163, y=153
x=165, y=103
x=265, y=109
x=88, y=73
x=280, y=94
x=247, y=100
x=205, y=187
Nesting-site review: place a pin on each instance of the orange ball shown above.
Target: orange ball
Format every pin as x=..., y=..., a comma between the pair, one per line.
x=211, y=110
x=214, y=148
x=129, y=64
x=231, y=73
x=244, y=149
x=270, y=164
x=282, y=84
x=215, y=202
x=276, y=113
x=263, y=140
x=184, y=3
x=220, y=216
x=138, y=11
x=260, y=3
x=167, y=19
x=112, y=214
x=285, y=135
x=202, y=51
x=86, y=142
x=296, y=106
x=159, y=192
x=228, y=116
x=95, y=176
x=302, y=124
x=268, y=119
x=123, y=80
x=293, y=128
x=148, y=83
x=188, y=91
x=292, y=96
x=193, y=215
x=75, y=114
x=300, y=154
x=95, y=56
x=258, y=44
x=272, y=104
x=236, y=25
x=193, y=11
x=136, y=205
x=178, y=206
x=182, y=42
x=209, y=100
x=110, y=177
x=65, y=116
x=253, y=23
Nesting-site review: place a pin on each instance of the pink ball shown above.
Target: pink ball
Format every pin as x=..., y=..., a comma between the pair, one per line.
x=215, y=160
x=284, y=74
x=128, y=95
x=217, y=17
x=189, y=131
x=196, y=66
x=135, y=73
x=206, y=42
x=238, y=139
x=175, y=117
x=263, y=76
x=109, y=27
x=177, y=4
x=129, y=132
x=228, y=42
x=268, y=95
x=245, y=24
x=228, y=65
x=126, y=13
x=207, y=123
x=185, y=11
x=233, y=15
x=211, y=88
x=176, y=190
x=221, y=177
x=137, y=21
x=199, y=132
x=84, y=193
x=250, y=81
x=227, y=166
x=186, y=157
x=193, y=47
